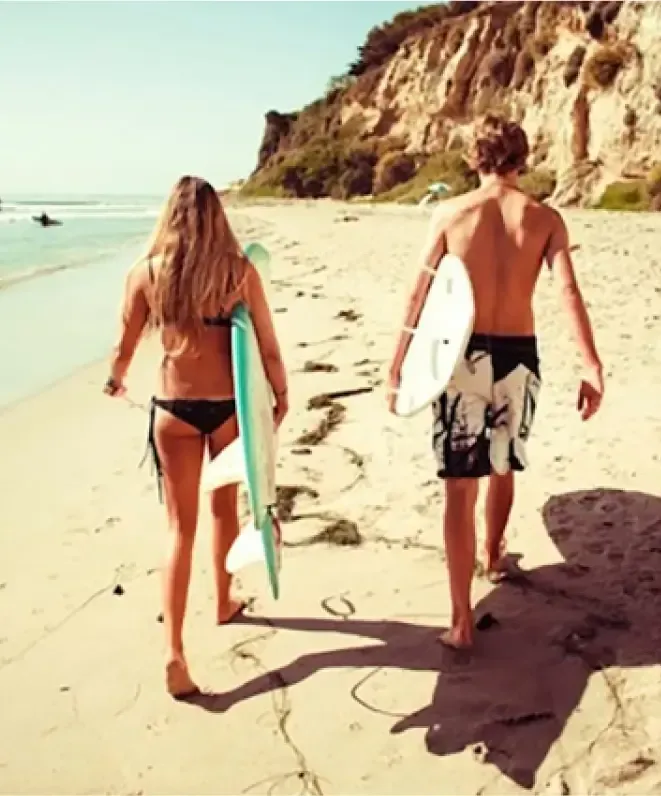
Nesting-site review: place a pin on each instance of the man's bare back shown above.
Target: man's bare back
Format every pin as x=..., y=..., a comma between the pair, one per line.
x=502, y=237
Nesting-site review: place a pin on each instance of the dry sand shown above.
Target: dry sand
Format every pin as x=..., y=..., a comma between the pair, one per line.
x=340, y=688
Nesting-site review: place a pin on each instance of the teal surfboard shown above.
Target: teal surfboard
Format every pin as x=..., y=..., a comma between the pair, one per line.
x=254, y=408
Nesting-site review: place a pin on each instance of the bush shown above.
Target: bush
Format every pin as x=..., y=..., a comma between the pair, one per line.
x=625, y=196
x=323, y=167
x=393, y=169
x=604, y=65
x=448, y=167
x=539, y=184
x=573, y=66
x=654, y=181
x=594, y=25
x=357, y=176
x=630, y=117
x=383, y=41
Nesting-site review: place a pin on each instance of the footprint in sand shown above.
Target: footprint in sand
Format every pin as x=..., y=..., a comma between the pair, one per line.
x=319, y=367
x=348, y=315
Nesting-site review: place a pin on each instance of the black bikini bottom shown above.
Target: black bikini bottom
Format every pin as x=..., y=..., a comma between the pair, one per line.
x=204, y=415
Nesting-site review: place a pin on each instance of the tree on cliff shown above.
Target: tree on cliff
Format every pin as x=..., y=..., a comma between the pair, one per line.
x=383, y=41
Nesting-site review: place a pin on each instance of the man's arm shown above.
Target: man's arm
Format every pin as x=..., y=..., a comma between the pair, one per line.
x=558, y=257
x=434, y=249
x=135, y=312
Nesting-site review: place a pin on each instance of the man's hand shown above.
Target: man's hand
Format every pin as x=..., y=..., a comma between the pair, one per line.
x=281, y=407
x=590, y=393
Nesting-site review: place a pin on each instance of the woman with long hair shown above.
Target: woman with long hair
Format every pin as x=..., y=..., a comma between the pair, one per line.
x=193, y=275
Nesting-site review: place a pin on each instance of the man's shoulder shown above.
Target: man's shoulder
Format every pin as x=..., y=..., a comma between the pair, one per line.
x=451, y=208
x=546, y=216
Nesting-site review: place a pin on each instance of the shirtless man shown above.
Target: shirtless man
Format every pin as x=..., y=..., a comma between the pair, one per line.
x=482, y=421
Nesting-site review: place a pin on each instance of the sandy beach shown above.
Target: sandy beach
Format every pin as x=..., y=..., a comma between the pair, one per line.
x=340, y=687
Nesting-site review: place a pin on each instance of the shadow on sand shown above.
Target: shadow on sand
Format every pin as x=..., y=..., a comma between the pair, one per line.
x=555, y=626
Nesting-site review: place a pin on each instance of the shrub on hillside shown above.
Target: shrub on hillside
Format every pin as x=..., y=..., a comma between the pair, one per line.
x=540, y=184
x=594, y=24
x=654, y=181
x=448, y=167
x=604, y=65
x=573, y=66
x=323, y=167
x=625, y=196
x=357, y=177
x=393, y=169
x=383, y=41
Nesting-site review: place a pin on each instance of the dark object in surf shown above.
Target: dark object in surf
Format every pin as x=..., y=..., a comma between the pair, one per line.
x=46, y=221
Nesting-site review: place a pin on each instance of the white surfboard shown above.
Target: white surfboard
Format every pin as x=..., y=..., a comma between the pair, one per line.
x=440, y=338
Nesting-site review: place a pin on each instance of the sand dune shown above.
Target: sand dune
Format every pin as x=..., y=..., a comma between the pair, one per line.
x=339, y=687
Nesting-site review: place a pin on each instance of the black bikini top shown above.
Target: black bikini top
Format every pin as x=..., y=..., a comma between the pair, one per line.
x=217, y=320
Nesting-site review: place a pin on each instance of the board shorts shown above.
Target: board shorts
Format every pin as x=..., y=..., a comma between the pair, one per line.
x=482, y=421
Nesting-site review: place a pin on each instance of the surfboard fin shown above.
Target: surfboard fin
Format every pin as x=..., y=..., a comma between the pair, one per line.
x=246, y=550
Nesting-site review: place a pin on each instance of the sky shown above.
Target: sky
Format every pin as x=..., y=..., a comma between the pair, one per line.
x=124, y=97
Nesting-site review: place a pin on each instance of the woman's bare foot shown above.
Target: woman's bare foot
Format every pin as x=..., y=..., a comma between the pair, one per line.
x=178, y=680
x=228, y=611
x=457, y=638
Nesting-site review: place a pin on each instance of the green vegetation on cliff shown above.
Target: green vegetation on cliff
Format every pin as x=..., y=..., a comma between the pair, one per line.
x=634, y=194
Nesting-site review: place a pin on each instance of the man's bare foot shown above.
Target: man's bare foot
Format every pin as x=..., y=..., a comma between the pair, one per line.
x=178, y=680
x=229, y=611
x=496, y=564
x=457, y=638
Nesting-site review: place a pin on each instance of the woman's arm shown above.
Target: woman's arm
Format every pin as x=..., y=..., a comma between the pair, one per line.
x=135, y=313
x=265, y=332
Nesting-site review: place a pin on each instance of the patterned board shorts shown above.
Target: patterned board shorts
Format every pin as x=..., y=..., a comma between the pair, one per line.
x=483, y=419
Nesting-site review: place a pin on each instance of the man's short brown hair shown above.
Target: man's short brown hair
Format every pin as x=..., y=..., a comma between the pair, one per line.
x=499, y=146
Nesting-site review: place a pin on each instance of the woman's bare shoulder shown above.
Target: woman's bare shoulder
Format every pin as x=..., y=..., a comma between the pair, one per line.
x=141, y=273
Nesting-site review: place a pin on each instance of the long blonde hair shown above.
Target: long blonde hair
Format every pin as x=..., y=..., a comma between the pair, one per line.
x=201, y=264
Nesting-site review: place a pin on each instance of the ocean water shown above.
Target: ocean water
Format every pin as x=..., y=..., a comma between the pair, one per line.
x=93, y=227
x=60, y=286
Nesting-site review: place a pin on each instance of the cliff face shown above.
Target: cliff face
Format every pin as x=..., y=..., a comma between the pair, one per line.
x=583, y=79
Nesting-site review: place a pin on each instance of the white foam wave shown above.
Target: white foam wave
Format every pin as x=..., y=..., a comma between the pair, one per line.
x=13, y=213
